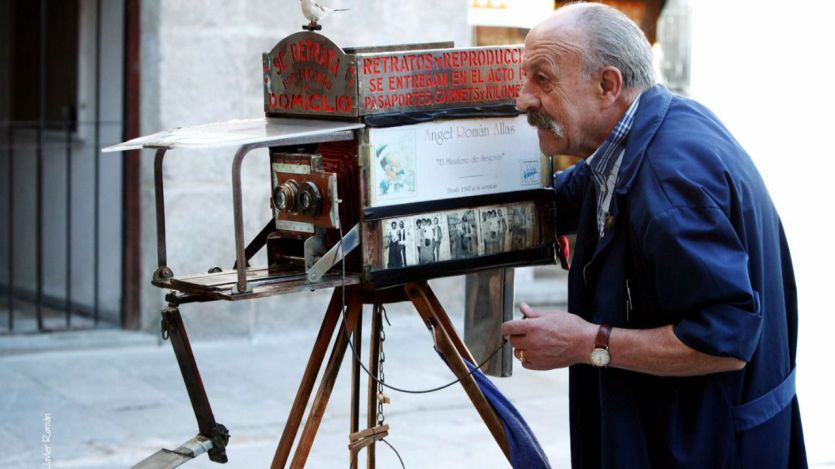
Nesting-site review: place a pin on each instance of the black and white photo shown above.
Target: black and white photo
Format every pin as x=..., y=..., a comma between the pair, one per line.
x=431, y=241
x=521, y=222
x=398, y=243
x=463, y=233
x=494, y=230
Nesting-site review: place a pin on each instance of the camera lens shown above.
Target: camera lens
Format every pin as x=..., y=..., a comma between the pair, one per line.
x=285, y=196
x=310, y=199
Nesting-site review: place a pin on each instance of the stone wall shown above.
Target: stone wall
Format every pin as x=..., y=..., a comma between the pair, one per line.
x=201, y=62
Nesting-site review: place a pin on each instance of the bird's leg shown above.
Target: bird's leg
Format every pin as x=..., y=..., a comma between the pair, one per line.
x=313, y=26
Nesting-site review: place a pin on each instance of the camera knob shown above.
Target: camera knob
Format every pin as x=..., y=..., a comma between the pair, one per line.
x=310, y=199
x=285, y=196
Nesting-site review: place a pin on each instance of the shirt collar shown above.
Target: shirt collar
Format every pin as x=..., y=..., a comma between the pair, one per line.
x=603, y=159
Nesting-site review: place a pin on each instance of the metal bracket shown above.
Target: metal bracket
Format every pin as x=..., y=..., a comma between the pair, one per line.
x=195, y=447
x=165, y=324
x=220, y=438
x=349, y=242
x=163, y=273
x=431, y=324
x=314, y=249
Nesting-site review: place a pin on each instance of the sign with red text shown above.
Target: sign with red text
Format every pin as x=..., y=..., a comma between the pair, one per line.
x=423, y=80
x=307, y=74
x=453, y=158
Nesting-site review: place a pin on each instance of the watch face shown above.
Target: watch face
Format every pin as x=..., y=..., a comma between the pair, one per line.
x=600, y=357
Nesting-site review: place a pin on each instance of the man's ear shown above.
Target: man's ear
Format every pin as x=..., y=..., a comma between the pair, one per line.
x=611, y=85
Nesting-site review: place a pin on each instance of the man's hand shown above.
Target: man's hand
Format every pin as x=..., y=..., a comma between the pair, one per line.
x=548, y=340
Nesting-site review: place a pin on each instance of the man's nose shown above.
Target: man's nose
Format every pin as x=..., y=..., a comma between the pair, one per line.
x=526, y=101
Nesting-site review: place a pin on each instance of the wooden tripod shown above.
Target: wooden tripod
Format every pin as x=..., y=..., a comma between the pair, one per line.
x=447, y=340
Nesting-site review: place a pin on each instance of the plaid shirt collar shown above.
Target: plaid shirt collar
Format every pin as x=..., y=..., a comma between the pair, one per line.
x=602, y=161
x=605, y=164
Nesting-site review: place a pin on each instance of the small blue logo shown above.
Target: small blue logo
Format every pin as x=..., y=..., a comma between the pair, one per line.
x=529, y=171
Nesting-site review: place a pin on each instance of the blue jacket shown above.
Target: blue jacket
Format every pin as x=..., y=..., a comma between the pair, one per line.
x=696, y=242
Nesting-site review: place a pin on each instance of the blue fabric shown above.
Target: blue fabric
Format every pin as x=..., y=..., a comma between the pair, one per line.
x=695, y=243
x=766, y=407
x=525, y=452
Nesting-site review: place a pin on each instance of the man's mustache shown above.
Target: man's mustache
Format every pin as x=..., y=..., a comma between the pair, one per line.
x=544, y=121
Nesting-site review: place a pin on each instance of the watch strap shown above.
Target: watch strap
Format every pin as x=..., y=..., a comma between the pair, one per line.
x=602, y=339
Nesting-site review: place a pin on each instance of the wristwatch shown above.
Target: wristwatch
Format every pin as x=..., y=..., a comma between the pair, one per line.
x=600, y=353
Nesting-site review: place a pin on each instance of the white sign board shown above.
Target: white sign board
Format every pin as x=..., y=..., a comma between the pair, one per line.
x=453, y=158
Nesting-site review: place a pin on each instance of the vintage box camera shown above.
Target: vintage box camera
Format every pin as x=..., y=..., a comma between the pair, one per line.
x=450, y=178
x=410, y=162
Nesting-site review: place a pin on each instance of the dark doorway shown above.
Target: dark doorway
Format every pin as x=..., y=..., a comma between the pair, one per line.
x=61, y=100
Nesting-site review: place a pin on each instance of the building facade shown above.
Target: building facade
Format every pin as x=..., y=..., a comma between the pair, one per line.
x=78, y=243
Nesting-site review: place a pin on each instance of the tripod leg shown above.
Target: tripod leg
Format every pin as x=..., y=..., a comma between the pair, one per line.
x=437, y=318
x=317, y=410
x=317, y=356
x=355, y=383
x=174, y=329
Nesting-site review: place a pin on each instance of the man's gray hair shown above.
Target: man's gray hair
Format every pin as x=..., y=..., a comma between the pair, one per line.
x=612, y=39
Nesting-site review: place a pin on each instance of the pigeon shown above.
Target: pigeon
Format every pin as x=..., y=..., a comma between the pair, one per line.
x=314, y=11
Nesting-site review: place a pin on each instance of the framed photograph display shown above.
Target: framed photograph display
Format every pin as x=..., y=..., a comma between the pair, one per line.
x=457, y=234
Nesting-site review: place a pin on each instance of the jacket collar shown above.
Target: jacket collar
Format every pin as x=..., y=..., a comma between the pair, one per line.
x=655, y=102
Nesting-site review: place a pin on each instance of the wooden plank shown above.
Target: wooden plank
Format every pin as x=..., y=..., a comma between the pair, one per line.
x=371, y=431
x=372, y=436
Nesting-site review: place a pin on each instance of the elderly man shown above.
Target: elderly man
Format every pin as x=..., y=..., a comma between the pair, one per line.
x=681, y=327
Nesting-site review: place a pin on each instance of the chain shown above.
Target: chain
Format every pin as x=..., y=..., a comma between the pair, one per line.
x=381, y=374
